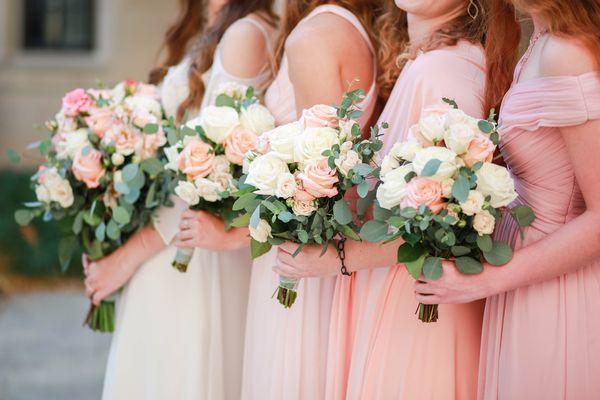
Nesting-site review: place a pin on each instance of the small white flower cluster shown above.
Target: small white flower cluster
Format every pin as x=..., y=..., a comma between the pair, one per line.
x=51, y=187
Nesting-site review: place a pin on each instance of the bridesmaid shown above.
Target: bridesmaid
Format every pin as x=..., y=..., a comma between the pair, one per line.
x=180, y=336
x=378, y=347
x=541, y=333
x=324, y=46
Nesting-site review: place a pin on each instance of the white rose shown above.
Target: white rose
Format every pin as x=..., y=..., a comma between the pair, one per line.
x=175, y=89
x=458, y=137
x=65, y=124
x=473, y=204
x=62, y=193
x=347, y=161
x=117, y=159
x=223, y=180
x=71, y=143
x=187, y=192
x=432, y=127
x=393, y=189
x=248, y=158
x=455, y=116
x=264, y=173
x=447, y=187
x=118, y=93
x=172, y=154
x=217, y=122
x=231, y=89
x=388, y=164
x=484, y=223
x=495, y=181
x=281, y=140
x=448, y=158
x=286, y=186
x=304, y=208
x=207, y=189
x=346, y=128
x=144, y=102
x=257, y=119
x=262, y=232
x=42, y=193
x=405, y=150
x=313, y=142
x=221, y=164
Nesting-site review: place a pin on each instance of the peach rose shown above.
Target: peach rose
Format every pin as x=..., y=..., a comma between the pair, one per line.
x=147, y=145
x=75, y=102
x=301, y=194
x=125, y=139
x=196, y=159
x=88, y=167
x=423, y=191
x=238, y=143
x=320, y=116
x=100, y=120
x=318, y=179
x=480, y=149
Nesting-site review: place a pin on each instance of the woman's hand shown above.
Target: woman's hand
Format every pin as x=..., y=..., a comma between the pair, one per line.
x=453, y=287
x=204, y=230
x=308, y=263
x=106, y=276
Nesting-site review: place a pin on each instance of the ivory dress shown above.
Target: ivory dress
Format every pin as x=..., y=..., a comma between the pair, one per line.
x=382, y=351
x=543, y=341
x=286, y=349
x=180, y=335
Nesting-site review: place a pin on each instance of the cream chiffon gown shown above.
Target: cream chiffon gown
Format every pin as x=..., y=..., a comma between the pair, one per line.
x=180, y=335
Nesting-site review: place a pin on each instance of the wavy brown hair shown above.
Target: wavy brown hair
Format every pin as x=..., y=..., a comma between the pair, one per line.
x=191, y=35
x=579, y=19
x=495, y=27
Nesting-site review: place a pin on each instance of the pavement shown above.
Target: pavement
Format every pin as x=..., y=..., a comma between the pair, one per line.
x=45, y=353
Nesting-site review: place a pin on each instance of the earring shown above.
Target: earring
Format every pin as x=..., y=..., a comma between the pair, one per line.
x=473, y=9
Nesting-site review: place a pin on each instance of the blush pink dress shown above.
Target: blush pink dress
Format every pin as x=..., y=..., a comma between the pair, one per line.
x=286, y=349
x=543, y=341
x=378, y=347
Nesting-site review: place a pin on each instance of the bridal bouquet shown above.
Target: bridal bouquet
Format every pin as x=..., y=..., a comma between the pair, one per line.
x=296, y=182
x=103, y=174
x=441, y=193
x=209, y=156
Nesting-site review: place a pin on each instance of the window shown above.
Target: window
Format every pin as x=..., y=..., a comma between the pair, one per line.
x=59, y=25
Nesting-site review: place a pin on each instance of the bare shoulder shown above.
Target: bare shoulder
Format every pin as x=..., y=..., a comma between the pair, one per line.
x=244, y=41
x=562, y=56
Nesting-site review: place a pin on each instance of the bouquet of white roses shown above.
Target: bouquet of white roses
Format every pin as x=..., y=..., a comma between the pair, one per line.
x=209, y=154
x=441, y=193
x=103, y=174
x=298, y=179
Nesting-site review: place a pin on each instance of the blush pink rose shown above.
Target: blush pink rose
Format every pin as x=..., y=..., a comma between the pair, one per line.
x=88, y=168
x=301, y=194
x=319, y=116
x=318, y=179
x=238, y=143
x=196, y=159
x=480, y=149
x=100, y=120
x=126, y=139
x=425, y=191
x=148, y=145
x=76, y=102
x=41, y=174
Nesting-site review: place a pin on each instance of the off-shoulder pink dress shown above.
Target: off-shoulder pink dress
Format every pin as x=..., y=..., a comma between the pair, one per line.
x=379, y=349
x=286, y=349
x=543, y=341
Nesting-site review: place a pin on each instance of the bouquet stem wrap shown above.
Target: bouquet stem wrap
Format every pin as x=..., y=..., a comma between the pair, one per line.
x=182, y=259
x=428, y=312
x=101, y=318
x=286, y=292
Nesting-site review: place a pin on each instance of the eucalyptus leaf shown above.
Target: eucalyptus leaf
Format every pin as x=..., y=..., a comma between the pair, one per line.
x=363, y=189
x=100, y=232
x=461, y=188
x=374, y=231
x=152, y=166
x=500, y=254
x=341, y=212
x=150, y=128
x=415, y=268
x=255, y=218
x=523, y=215
x=458, y=251
x=431, y=167
x=23, y=217
x=484, y=242
x=66, y=248
x=113, y=231
x=409, y=253
x=241, y=221
x=129, y=172
x=121, y=215
x=432, y=268
x=468, y=265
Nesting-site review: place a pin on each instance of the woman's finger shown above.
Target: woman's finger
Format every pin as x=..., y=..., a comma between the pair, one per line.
x=97, y=298
x=425, y=288
x=288, y=247
x=286, y=270
x=286, y=258
x=185, y=235
x=428, y=299
x=185, y=244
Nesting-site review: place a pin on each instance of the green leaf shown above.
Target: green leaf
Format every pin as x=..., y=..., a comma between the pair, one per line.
x=78, y=223
x=484, y=243
x=363, y=189
x=241, y=221
x=257, y=249
x=223, y=100
x=121, y=216
x=187, y=131
x=243, y=201
x=122, y=187
x=113, y=231
x=523, y=215
x=468, y=265
x=500, y=254
x=458, y=251
x=150, y=197
x=23, y=217
x=381, y=214
x=374, y=231
x=485, y=126
x=415, y=268
x=303, y=236
x=431, y=167
x=66, y=248
x=349, y=233
x=408, y=212
x=364, y=203
x=90, y=218
x=132, y=196
x=138, y=182
x=286, y=216
x=152, y=166
x=341, y=212
x=100, y=232
x=150, y=128
x=432, y=268
x=450, y=102
x=130, y=172
x=409, y=176
x=363, y=169
x=461, y=188
x=409, y=253
x=13, y=156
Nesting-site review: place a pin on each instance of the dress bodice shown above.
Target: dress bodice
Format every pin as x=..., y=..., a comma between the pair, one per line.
x=280, y=99
x=532, y=145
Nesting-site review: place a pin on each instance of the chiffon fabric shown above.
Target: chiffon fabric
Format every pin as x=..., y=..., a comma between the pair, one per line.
x=180, y=335
x=383, y=351
x=543, y=341
x=286, y=349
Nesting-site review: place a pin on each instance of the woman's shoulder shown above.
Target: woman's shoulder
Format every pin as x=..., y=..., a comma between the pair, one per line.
x=564, y=56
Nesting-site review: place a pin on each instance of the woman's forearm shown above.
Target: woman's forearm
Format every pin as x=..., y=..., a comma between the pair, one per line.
x=142, y=246
x=236, y=238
